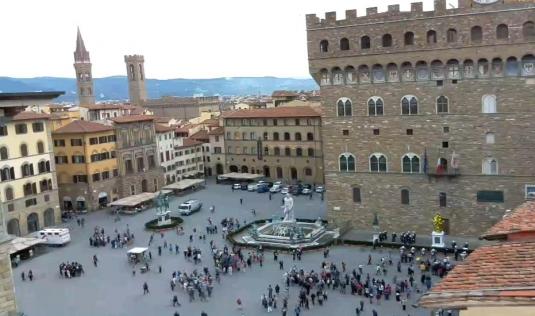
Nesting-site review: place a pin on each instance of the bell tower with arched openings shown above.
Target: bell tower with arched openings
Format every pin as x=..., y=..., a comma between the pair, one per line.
x=84, y=78
x=136, y=78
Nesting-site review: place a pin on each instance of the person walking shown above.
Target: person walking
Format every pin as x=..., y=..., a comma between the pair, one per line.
x=175, y=301
x=23, y=276
x=241, y=201
x=95, y=260
x=30, y=275
x=145, y=288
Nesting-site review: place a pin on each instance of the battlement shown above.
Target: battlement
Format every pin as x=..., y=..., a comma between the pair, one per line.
x=134, y=58
x=394, y=13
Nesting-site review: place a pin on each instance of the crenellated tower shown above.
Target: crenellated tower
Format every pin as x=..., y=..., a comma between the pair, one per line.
x=136, y=78
x=82, y=66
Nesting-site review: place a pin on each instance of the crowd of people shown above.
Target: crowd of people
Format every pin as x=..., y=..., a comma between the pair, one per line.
x=70, y=270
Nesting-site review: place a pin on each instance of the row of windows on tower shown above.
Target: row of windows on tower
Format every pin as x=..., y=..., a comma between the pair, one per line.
x=132, y=72
x=476, y=37
x=410, y=163
x=409, y=105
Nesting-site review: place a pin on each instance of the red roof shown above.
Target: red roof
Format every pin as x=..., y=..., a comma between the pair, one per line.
x=30, y=115
x=495, y=274
x=103, y=106
x=200, y=135
x=132, y=118
x=293, y=111
x=160, y=128
x=284, y=93
x=521, y=219
x=188, y=142
x=217, y=131
x=79, y=126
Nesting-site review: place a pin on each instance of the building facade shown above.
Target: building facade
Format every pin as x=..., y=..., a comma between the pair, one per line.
x=280, y=143
x=184, y=108
x=189, y=159
x=86, y=163
x=28, y=185
x=84, y=78
x=135, y=69
x=217, y=146
x=165, y=138
x=137, y=155
x=426, y=112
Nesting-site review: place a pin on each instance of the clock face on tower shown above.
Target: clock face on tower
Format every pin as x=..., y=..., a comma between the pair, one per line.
x=485, y=1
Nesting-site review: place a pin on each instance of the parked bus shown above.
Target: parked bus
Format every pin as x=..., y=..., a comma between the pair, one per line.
x=55, y=236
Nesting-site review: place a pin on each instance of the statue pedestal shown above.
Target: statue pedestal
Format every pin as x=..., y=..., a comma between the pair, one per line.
x=438, y=240
x=375, y=237
x=164, y=218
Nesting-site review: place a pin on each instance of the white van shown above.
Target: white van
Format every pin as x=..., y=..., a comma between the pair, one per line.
x=55, y=236
x=190, y=206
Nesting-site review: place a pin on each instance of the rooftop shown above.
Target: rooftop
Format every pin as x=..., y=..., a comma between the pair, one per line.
x=492, y=275
x=521, y=219
x=217, y=131
x=188, y=142
x=30, y=115
x=41, y=95
x=160, y=128
x=200, y=135
x=297, y=111
x=80, y=127
x=284, y=93
x=132, y=118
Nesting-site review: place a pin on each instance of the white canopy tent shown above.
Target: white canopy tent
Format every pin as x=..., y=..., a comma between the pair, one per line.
x=241, y=176
x=131, y=201
x=184, y=184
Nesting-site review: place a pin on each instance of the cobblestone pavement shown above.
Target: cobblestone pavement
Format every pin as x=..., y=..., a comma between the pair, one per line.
x=110, y=288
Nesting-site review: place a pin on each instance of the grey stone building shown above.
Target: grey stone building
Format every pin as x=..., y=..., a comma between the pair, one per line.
x=137, y=155
x=427, y=112
x=135, y=70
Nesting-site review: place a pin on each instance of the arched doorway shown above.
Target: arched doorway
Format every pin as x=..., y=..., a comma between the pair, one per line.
x=102, y=199
x=13, y=227
x=219, y=169
x=266, y=172
x=253, y=170
x=80, y=203
x=244, y=169
x=67, y=203
x=293, y=173
x=144, y=186
x=33, y=222
x=233, y=168
x=279, y=173
x=50, y=220
x=209, y=171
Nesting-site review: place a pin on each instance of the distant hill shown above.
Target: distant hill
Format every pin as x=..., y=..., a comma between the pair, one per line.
x=116, y=88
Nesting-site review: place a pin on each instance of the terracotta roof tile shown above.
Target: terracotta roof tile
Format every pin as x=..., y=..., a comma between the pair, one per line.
x=132, y=118
x=188, y=142
x=200, y=135
x=294, y=111
x=160, y=128
x=501, y=272
x=284, y=93
x=103, y=106
x=521, y=219
x=80, y=126
x=217, y=131
x=29, y=115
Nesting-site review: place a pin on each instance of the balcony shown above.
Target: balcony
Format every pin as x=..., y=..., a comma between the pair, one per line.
x=439, y=172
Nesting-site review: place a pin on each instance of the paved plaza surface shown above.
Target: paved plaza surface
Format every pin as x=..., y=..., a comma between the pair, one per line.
x=110, y=288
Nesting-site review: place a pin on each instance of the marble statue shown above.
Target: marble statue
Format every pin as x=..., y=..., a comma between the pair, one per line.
x=288, y=206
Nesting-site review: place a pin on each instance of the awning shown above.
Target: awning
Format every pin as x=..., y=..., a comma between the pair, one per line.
x=183, y=184
x=20, y=243
x=137, y=250
x=134, y=199
x=241, y=176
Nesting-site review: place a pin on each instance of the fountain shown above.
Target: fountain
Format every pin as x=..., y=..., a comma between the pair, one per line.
x=288, y=232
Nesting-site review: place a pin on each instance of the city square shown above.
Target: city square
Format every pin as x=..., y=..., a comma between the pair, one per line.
x=110, y=288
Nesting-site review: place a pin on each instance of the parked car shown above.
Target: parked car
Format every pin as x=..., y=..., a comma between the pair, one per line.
x=236, y=186
x=306, y=191
x=262, y=188
x=285, y=190
x=244, y=185
x=275, y=188
x=294, y=190
x=320, y=189
x=252, y=187
x=189, y=207
x=279, y=183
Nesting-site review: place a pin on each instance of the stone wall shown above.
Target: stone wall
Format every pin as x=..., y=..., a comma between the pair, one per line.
x=8, y=305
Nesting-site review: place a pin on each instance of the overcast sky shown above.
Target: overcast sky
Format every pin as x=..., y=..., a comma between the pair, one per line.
x=179, y=38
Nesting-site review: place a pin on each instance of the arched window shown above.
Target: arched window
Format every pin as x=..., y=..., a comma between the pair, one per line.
x=24, y=150
x=375, y=106
x=40, y=147
x=407, y=72
x=476, y=34
x=488, y=103
x=410, y=163
x=344, y=107
x=405, y=197
x=3, y=153
x=442, y=104
x=387, y=40
x=26, y=169
x=502, y=32
x=299, y=152
x=356, y=195
x=132, y=72
x=287, y=151
x=497, y=67
x=451, y=35
x=286, y=136
x=364, y=74
x=392, y=74
x=324, y=46
x=409, y=38
x=378, y=163
x=344, y=44
x=277, y=151
x=276, y=136
x=468, y=69
x=490, y=138
x=431, y=37
x=324, y=77
x=453, y=69
x=7, y=173
x=528, y=65
x=511, y=67
x=365, y=42
x=437, y=70
x=528, y=31
x=41, y=166
x=351, y=75
x=297, y=136
x=310, y=152
x=409, y=105
x=9, y=194
x=483, y=68
x=310, y=136
x=347, y=162
x=490, y=166
x=422, y=71
x=141, y=72
x=378, y=73
x=338, y=76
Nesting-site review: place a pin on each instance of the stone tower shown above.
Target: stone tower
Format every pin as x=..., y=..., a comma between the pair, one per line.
x=136, y=78
x=82, y=66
